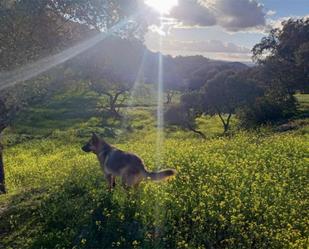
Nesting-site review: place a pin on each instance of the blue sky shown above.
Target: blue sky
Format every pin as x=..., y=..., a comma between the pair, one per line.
x=287, y=7
x=221, y=29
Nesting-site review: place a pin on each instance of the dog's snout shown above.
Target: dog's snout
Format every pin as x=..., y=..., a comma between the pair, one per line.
x=86, y=148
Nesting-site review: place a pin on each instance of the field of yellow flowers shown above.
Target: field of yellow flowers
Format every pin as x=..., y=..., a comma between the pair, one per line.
x=247, y=191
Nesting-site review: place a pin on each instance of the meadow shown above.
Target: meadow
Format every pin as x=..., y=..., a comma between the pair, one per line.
x=247, y=189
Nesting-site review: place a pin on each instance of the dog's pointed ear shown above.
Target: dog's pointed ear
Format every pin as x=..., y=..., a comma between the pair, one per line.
x=95, y=138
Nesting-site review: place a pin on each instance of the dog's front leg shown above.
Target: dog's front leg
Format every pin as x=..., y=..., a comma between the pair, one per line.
x=110, y=181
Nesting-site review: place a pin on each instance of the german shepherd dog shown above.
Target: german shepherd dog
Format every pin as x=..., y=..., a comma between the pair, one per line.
x=128, y=166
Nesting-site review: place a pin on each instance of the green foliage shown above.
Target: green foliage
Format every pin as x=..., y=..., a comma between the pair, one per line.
x=182, y=117
x=284, y=51
x=184, y=114
x=32, y=29
x=272, y=107
x=245, y=192
x=227, y=92
x=223, y=95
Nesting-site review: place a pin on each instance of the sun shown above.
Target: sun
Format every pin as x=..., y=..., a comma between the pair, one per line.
x=162, y=6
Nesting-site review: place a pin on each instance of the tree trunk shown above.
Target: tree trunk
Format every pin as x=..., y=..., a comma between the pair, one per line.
x=2, y=179
x=197, y=132
x=169, y=97
x=113, y=103
x=114, y=112
x=226, y=124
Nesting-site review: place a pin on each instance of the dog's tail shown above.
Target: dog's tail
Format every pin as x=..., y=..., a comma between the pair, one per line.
x=160, y=175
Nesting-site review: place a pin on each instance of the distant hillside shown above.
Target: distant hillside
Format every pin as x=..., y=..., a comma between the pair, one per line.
x=128, y=60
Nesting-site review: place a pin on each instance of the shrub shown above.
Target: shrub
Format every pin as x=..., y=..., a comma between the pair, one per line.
x=267, y=109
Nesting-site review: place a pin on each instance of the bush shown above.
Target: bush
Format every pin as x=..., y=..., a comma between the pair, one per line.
x=184, y=117
x=267, y=109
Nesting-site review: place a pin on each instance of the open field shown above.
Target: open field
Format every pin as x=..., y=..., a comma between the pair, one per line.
x=245, y=190
x=154, y=124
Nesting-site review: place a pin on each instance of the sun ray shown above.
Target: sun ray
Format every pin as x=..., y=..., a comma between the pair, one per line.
x=137, y=83
x=29, y=71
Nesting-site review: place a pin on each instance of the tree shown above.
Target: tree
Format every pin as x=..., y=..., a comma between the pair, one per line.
x=283, y=69
x=226, y=93
x=111, y=69
x=284, y=51
x=6, y=114
x=15, y=99
x=170, y=93
x=10, y=104
x=302, y=61
x=33, y=29
x=184, y=114
x=3, y=123
x=115, y=93
x=272, y=106
x=2, y=176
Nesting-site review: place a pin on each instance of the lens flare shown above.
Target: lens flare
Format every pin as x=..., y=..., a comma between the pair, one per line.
x=162, y=6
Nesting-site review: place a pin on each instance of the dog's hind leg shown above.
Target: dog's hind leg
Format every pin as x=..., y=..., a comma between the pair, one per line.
x=113, y=181
x=131, y=179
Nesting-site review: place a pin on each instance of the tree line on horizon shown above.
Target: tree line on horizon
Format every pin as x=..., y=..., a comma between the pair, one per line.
x=264, y=93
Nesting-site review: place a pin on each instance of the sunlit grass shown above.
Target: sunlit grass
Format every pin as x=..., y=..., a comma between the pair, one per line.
x=229, y=193
x=244, y=190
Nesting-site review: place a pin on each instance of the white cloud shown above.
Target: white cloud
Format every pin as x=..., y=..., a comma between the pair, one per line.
x=193, y=13
x=237, y=15
x=277, y=23
x=271, y=13
x=233, y=15
x=212, y=46
x=214, y=49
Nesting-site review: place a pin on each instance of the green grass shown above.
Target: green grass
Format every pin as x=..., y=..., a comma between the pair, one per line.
x=303, y=109
x=245, y=190
x=304, y=101
x=77, y=113
x=65, y=111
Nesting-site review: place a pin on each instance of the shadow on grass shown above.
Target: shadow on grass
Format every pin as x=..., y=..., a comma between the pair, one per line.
x=74, y=215
x=302, y=113
x=64, y=113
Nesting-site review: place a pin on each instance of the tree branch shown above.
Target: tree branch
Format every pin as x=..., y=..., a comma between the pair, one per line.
x=222, y=119
x=196, y=131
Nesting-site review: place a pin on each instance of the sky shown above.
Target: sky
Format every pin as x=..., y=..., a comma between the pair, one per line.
x=217, y=29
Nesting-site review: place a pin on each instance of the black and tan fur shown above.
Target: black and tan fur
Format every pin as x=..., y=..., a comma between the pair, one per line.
x=128, y=166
